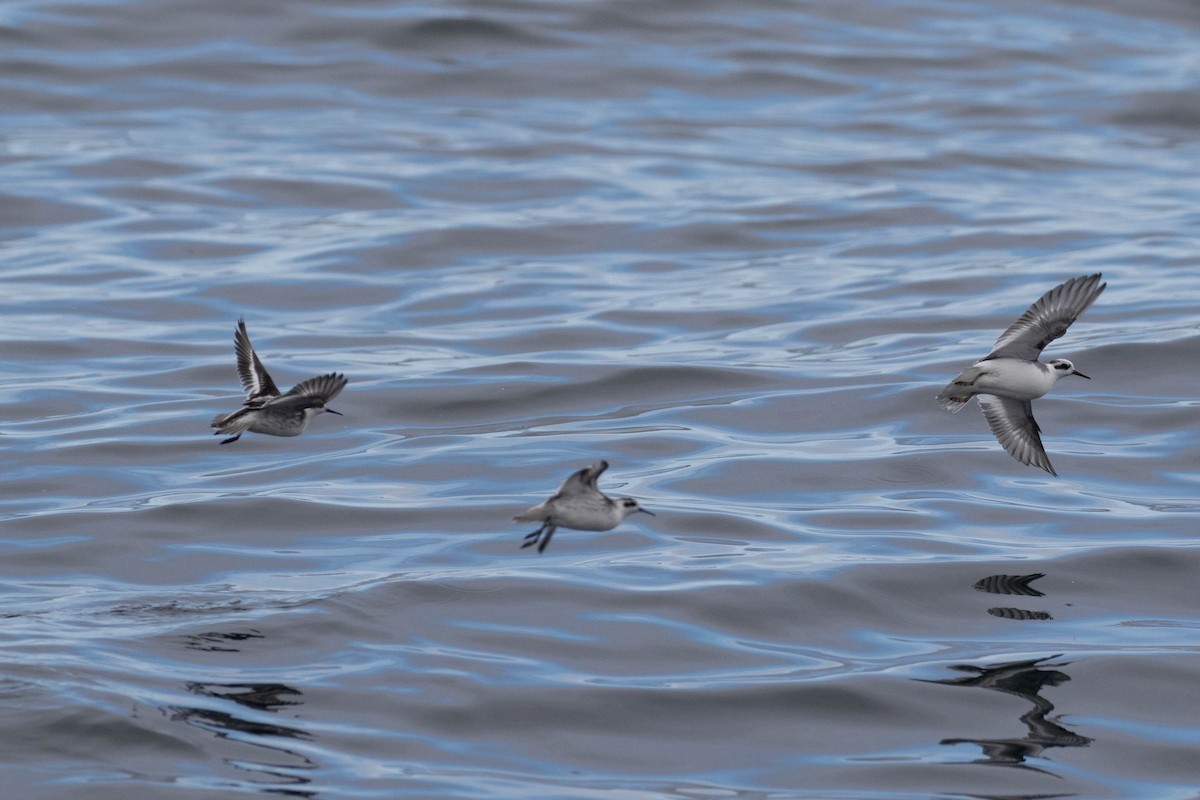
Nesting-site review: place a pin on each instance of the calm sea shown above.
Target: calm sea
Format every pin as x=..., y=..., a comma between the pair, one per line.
x=733, y=248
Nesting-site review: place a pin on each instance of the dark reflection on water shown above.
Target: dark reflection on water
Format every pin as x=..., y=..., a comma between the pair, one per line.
x=1013, y=585
x=1010, y=584
x=1026, y=680
x=257, y=697
x=1009, y=612
x=219, y=642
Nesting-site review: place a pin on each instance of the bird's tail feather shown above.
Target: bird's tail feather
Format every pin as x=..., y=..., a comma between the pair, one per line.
x=952, y=403
x=960, y=390
x=532, y=514
x=234, y=421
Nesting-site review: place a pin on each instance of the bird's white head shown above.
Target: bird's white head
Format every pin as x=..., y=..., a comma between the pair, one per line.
x=318, y=408
x=1061, y=368
x=629, y=506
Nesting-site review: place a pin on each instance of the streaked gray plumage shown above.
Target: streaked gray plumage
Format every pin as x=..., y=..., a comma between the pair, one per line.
x=267, y=411
x=1008, y=378
x=577, y=504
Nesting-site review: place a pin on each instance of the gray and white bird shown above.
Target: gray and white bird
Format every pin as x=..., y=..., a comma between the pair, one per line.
x=577, y=504
x=1009, y=377
x=267, y=411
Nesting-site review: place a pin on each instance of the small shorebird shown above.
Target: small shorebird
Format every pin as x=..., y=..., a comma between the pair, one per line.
x=577, y=504
x=265, y=410
x=1011, y=375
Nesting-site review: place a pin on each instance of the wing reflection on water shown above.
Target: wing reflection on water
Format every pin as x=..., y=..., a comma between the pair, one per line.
x=1008, y=612
x=220, y=641
x=1024, y=679
x=259, y=696
x=1010, y=584
x=285, y=777
x=1013, y=585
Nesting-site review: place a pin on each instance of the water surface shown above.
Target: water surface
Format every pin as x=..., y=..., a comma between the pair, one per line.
x=735, y=250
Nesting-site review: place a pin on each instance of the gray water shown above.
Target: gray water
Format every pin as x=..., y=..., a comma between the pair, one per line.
x=733, y=248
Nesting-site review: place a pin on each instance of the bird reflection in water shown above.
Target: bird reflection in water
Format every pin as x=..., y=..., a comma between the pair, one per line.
x=1024, y=679
x=250, y=728
x=220, y=641
x=1013, y=585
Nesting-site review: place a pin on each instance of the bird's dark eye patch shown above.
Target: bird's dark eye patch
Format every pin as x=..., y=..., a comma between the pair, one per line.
x=1061, y=366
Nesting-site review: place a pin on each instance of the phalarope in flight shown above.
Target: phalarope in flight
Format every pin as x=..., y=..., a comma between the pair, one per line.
x=265, y=410
x=1008, y=378
x=578, y=504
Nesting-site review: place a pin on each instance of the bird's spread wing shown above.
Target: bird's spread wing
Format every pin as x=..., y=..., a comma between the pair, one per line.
x=1048, y=318
x=255, y=380
x=1013, y=425
x=324, y=387
x=582, y=481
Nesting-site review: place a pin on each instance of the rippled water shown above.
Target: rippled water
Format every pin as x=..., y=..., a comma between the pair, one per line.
x=734, y=249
